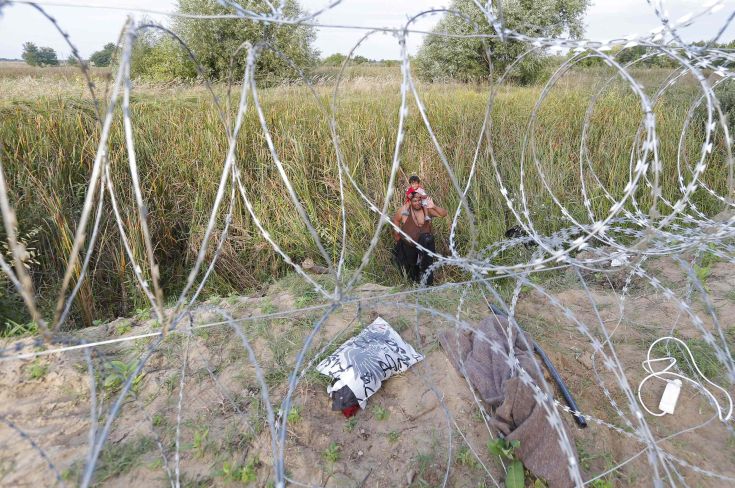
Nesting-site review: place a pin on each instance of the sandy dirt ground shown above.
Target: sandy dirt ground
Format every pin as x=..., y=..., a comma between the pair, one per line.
x=414, y=428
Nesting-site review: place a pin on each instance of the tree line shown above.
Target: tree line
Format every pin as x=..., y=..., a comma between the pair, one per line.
x=218, y=45
x=191, y=49
x=46, y=56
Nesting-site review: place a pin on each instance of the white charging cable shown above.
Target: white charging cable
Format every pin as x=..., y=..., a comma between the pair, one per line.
x=670, y=396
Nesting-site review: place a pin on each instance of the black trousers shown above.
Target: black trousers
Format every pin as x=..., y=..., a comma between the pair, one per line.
x=413, y=262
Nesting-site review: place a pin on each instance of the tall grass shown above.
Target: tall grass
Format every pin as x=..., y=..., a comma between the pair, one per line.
x=48, y=145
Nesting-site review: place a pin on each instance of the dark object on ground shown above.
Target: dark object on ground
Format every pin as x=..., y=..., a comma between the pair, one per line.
x=579, y=418
x=343, y=399
x=517, y=231
x=518, y=416
x=414, y=262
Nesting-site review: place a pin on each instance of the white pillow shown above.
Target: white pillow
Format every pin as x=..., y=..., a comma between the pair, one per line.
x=363, y=362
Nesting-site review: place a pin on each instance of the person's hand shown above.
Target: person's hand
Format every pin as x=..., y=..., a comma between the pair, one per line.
x=396, y=236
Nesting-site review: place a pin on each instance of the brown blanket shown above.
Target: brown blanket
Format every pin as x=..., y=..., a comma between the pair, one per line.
x=517, y=414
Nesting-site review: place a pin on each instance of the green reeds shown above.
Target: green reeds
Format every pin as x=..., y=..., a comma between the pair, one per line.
x=48, y=146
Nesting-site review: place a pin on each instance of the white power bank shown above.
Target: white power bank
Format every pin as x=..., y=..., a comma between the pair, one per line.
x=670, y=396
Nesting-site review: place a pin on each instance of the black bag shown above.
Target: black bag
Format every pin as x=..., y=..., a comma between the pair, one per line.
x=343, y=398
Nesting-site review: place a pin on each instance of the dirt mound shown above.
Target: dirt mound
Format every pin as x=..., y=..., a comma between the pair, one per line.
x=401, y=439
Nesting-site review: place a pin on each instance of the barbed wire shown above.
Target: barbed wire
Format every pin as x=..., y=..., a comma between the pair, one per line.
x=628, y=233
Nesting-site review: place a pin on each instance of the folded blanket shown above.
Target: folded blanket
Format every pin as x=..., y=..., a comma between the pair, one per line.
x=517, y=416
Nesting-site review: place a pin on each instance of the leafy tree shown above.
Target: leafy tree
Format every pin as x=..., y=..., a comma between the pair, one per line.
x=30, y=54
x=104, y=56
x=47, y=57
x=466, y=59
x=627, y=55
x=159, y=57
x=361, y=60
x=214, y=42
x=335, y=59
x=35, y=56
x=717, y=45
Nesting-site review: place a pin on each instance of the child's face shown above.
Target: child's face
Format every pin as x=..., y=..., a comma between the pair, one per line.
x=415, y=185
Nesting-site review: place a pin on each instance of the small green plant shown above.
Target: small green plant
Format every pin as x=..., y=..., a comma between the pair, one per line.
x=199, y=444
x=235, y=440
x=585, y=461
x=37, y=370
x=465, y=457
x=241, y=474
x=478, y=416
x=71, y=474
x=142, y=313
x=584, y=457
x=158, y=420
x=350, y=424
x=400, y=324
x=276, y=376
x=316, y=378
x=515, y=476
x=702, y=272
x=380, y=413
x=423, y=466
x=294, y=415
x=229, y=471
x=249, y=474
x=708, y=257
x=123, y=328
x=171, y=382
x=601, y=483
x=15, y=329
x=393, y=436
x=268, y=308
x=119, y=371
x=525, y=289
x=118, y=459
x=307, y=298
x=332, y=453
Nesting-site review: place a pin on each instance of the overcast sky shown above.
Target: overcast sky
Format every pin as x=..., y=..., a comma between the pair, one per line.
x=91, y=28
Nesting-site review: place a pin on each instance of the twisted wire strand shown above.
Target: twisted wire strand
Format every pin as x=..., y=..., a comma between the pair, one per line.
x=682, y=228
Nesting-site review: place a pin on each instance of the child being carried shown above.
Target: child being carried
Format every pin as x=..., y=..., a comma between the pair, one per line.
x=414, y=186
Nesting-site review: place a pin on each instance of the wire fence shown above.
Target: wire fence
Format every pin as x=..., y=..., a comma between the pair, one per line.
x=626, y=246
